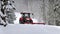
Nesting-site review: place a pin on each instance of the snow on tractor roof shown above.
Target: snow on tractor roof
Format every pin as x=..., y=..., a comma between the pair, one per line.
x=25, y=13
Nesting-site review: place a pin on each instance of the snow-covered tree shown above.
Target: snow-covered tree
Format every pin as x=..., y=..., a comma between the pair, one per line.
x=8, y=10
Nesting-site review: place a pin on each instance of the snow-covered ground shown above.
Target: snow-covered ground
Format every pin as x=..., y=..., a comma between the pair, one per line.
x=29, y=29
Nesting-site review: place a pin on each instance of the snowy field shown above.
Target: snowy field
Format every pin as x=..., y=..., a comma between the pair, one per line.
x=29, y=29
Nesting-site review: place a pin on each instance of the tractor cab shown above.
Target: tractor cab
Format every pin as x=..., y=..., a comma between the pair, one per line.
x=25, y=18
x=25, y=15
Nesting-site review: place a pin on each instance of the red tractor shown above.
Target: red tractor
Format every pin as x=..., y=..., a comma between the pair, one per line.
x=25, y=19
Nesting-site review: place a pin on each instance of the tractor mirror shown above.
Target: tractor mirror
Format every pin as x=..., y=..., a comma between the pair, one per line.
x=13, y=1
x=32, y=14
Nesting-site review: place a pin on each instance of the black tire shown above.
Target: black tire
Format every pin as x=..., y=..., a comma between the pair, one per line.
x=21, y=22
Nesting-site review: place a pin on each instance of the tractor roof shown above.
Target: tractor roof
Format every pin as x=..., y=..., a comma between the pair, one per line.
x=25, y=13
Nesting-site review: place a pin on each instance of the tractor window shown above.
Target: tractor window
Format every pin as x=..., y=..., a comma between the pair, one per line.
x=26, y=15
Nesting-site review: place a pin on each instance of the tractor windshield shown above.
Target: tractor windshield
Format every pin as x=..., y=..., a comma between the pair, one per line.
x=26, y=15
